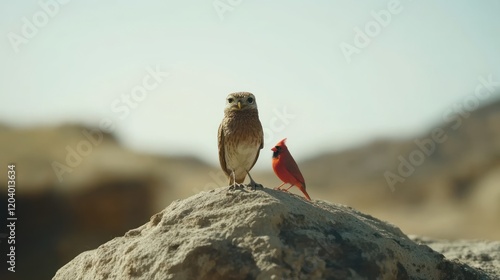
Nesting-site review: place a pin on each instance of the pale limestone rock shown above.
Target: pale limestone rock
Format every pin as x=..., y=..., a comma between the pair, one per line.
x=263, y=234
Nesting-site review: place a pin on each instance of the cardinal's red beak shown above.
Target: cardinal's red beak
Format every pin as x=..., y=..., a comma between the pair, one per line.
x=274, y=149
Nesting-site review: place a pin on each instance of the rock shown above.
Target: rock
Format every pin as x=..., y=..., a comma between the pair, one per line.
x=263, y=234
x=480, y=254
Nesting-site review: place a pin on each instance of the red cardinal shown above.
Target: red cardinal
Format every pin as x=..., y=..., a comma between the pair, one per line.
x=286, y=169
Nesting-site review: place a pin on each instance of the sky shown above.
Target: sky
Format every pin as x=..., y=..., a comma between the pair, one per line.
x=328, y=75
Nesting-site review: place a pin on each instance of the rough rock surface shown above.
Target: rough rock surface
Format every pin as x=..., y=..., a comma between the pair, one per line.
x=484, y=255
x=263, y=234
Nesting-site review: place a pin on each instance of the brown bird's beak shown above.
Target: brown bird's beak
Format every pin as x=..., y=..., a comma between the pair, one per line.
x=239, y=105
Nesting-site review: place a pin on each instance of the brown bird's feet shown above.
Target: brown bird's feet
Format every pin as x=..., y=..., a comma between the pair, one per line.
x=236, y=186
x=253, y=185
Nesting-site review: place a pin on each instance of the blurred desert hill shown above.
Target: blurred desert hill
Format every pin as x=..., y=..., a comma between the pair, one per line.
x=453, y=190
x=105, y=189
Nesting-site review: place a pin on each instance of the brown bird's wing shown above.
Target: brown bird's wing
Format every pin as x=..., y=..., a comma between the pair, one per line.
x=293, y=168
x=260, y=147
x=256, y=158
x=222, y=151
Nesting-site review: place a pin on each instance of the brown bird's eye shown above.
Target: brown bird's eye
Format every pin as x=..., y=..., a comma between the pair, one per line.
x=230, y=100
x=250, y=100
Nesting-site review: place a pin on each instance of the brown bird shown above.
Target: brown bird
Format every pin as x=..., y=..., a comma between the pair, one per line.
x=240, y=138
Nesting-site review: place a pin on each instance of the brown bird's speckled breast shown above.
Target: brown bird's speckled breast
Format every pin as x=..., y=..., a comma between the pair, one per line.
x=242, y=138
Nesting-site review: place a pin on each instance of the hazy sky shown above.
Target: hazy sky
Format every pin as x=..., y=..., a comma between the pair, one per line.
x=80, y=61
